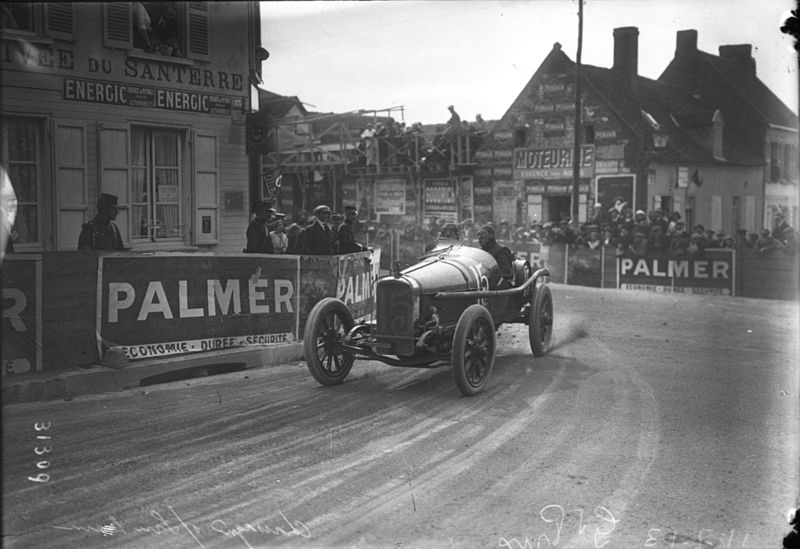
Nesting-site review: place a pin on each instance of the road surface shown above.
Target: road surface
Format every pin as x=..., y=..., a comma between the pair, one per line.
x=655, y=421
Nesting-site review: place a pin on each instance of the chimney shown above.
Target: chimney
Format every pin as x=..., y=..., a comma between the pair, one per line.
x=626, y=52
x=741, y=54
x=686, y=42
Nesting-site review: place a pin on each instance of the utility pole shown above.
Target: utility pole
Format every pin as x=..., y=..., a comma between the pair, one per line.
x=576, y=146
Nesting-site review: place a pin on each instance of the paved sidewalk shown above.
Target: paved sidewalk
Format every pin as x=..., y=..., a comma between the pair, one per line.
x=69, y=383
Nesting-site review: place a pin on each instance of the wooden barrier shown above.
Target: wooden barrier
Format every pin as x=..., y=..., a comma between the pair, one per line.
x=56, y=312
x=771, y=275
x=69, y=315
x=62, y=323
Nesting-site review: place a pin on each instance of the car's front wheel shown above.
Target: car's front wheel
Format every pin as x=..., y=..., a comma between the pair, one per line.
x=326, y=326
x=540, y=322
x=474, y=348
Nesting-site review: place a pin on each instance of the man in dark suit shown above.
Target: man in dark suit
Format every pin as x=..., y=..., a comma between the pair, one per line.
x=258, y=239
x=347, y=238
x=101, y=233
x=318, y=236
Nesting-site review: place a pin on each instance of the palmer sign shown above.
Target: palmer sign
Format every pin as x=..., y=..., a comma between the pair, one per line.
x=172, y=304
x=711, y=272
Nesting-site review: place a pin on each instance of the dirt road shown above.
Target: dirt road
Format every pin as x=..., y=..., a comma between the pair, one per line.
x=656, y=421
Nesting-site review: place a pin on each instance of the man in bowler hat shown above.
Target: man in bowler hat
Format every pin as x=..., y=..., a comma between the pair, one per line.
x=258, y=239
x=101, y=233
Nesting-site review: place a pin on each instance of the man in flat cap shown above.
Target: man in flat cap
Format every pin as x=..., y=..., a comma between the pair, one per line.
x=258, y=239
x=318, y=236
x=501, y=254
x=101, y=233
x=347, y=237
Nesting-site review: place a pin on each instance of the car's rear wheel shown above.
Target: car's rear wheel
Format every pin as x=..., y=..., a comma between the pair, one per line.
x=474, y=347
x=327, y=324
x=540, y=322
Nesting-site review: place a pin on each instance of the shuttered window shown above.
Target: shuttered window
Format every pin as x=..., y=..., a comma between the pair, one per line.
x=117, y=25
x=206, y=178
x=197, y=43
x=70, y=182
x=59, y=19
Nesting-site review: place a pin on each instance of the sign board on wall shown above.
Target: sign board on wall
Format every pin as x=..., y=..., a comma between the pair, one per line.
x=439, y=200
x=111, y=93
x=390, y=196
x=183, y=303
x=711, y=272
x=609, y=187
x=22, y=314
x=466, y=198
x=504, y=203
x=552, y=163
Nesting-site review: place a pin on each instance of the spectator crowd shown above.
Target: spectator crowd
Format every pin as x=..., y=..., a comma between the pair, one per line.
x=627, y=231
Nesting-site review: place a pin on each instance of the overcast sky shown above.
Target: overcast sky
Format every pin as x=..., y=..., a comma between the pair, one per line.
x=478, y=55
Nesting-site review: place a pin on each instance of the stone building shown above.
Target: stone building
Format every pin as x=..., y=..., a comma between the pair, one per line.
x=143, y=100
x=706, y=139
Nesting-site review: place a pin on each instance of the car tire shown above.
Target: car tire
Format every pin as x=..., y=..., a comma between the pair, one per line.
x=540, y=322
x=326, y=326
x=474, y=348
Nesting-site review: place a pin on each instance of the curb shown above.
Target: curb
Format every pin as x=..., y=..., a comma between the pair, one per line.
x=66, y=384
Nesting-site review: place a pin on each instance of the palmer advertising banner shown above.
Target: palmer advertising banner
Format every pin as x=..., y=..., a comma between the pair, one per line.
x=710, y=272
x=356, y=282
x=22, y=314
x=184, y=303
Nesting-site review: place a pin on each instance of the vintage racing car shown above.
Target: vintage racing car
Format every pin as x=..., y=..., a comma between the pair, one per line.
x=445, y=309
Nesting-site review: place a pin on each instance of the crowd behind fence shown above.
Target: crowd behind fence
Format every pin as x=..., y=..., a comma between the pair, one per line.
x=618, y=232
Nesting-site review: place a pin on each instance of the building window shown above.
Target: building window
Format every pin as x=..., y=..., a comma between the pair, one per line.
x=18, y=16
x=157, y=29
x=22, y=155
x=156, y=175
x=775, y=162
x=789, y=162
x=173, y=29
x=520, y=137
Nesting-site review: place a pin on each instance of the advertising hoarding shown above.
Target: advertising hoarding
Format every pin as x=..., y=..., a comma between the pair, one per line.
x=711, y=272
x=22, y=314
